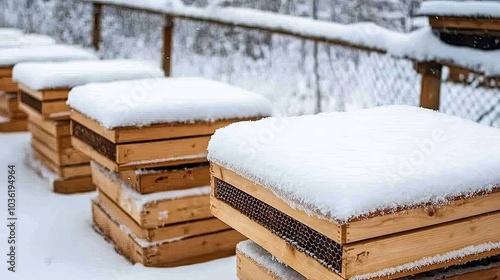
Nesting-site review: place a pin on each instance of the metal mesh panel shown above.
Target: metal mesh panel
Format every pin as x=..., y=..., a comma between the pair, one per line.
x=479, y=104
x=300, y=236
x=96, y=141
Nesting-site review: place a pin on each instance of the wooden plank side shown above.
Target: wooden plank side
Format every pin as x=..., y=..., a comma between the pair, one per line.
x=168, y=131
x=55, y=109
x=450, y=22
x=168, y=179
x=152, y=132
x=47, y=94
x=167, y=254
x=421, y=217
x=389, y=251
x=279, y=248
x=74, y=185
x=155, y=214
x=90, y=152
x=187, y=229
x=248, y=269
x=14, y=125
x=8, y=85
x=56, y=144
x=6, y=71
x=68, y=156
x=164, y=149
x=55, y=128
x=327, y=228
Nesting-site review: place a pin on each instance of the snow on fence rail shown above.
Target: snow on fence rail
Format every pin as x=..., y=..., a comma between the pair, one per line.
x=420, y=45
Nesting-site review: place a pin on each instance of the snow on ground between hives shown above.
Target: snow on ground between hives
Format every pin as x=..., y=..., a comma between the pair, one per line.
x=26, y=40
x=163, y=100
x=461, y=8
x=47, y=75
x=55, y=236
x=9, y=57
x=345, y=165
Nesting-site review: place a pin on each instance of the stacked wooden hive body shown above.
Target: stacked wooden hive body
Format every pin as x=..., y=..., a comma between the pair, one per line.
x=150, y=165
x=13, y=118
x=253, y=262
x=377, y=194
x=43, y=92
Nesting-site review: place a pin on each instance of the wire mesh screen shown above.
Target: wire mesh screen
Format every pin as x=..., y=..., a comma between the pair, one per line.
x=472, y=102
x=299, y=77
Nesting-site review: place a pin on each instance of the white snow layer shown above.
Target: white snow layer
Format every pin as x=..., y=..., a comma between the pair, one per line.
x=162, y=100
x=9, y=57
x=269, y=262
x=7, y=33
x=26, y=40
x=461, y=8
x=345, y=165
x=47, y=75
x=420, y=45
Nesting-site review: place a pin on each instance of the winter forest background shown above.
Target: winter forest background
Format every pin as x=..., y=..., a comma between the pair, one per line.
x=300, y=77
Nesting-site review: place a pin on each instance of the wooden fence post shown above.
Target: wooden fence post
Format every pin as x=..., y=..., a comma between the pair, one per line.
x=168, y=42
x=431, y=84
x=96, y=35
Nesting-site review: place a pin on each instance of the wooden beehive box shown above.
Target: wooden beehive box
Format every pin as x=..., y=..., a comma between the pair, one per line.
x=44, y=87
x=169, y=125
x=470, y=24
x=284, y=209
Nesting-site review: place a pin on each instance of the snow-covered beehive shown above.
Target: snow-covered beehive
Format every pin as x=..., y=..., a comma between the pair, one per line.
x=256, y=263
x=148, y=139
x=474, y=24
x=43, y=90
x=16, y=119
x=383, y=192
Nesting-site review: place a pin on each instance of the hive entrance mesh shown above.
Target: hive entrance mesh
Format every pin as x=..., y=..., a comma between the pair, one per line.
x=31, y=101
x=301, y=237
x=96, y=141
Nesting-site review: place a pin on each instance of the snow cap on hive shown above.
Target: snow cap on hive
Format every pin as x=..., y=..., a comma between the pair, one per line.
x=164, y=100
x=11, y=56
x=345, y=165
x=68, y=74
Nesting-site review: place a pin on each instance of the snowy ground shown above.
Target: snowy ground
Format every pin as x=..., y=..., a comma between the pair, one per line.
x=55, y=237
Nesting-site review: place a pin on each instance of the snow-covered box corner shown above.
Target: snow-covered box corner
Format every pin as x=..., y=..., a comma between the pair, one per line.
x=165, y=100
x=12, y=56
x=341, y=166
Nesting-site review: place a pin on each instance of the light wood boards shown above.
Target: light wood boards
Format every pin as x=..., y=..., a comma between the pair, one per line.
x=14, y=125
x=155, y=213
x=182, y=229
x=391, y=251
x=8, y=85
x=68, y=156
x=168, y=253
x=55, y=128
x=451, y=22
x=46, y=94
x=167, y=179
x=249, y=269
x=152, y=132
x=374, y=226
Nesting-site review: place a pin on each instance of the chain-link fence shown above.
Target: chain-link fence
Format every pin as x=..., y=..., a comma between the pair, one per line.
x=299, y=77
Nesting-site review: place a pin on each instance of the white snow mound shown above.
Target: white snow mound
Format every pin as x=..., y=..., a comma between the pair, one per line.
x=9, y=57
x=26, y=40
x=487, y=9
x=47, y=75
x=163, y=100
